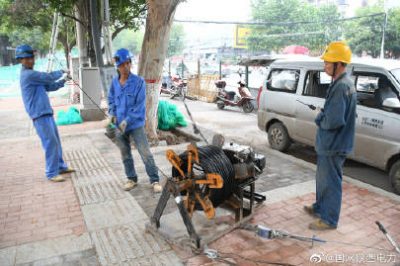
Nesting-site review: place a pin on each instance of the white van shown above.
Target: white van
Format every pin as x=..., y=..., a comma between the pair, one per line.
x=292, y=83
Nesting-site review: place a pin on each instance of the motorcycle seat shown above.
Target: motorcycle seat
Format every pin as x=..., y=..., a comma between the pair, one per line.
x=220, y=84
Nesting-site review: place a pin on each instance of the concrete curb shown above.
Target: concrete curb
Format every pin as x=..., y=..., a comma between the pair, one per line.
x=292, y=191
x=345, y=178
x=50, y=250
x=36, y=138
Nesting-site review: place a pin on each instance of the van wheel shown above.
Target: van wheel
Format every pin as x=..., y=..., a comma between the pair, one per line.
x=394, y=175
x=278, y=137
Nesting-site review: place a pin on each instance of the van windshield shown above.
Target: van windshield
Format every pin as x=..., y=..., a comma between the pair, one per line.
x=396, y=74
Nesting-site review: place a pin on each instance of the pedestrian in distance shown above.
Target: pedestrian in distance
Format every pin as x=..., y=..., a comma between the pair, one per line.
x=335, y=137
x=34, y=88
x=127, y=111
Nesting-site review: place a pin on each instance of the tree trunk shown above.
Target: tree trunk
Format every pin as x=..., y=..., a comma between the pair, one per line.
x=160, y=14
x=66, y=47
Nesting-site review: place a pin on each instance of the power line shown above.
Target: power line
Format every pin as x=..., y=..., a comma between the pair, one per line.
x=292, y=34
x=276, y=23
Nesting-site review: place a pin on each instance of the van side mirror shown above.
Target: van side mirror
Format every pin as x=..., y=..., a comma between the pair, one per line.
x=391, y=103
x=268, y=84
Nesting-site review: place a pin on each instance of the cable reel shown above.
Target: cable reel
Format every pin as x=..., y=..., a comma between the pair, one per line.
x=204, y=176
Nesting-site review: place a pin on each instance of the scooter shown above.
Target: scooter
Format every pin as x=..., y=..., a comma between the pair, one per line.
x=178, y=88
x=230, y=98
x=164, y=88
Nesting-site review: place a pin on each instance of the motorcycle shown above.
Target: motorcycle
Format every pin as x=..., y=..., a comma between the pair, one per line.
x=178, y=88
x=230, y=98
x=164, y=88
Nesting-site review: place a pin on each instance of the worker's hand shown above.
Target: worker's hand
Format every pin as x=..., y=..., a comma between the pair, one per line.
x=66, y=71
x=319, y=118
x=123, y=125
x=66, y=77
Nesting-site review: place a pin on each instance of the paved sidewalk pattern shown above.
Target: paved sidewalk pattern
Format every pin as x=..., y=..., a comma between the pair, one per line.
x=90, y=220
x=357, y=241
x=113, y=217
x=32, y=208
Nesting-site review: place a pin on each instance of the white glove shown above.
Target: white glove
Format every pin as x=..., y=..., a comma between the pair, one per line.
x=123, y=125
x=66, y=77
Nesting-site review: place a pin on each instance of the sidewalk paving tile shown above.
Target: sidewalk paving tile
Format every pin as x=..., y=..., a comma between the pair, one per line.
x=32, y=208
x=355, y=240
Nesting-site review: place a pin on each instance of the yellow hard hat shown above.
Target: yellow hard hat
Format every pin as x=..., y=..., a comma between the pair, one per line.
x=337, y=52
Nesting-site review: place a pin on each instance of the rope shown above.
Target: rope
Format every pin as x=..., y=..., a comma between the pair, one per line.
x=195, y=128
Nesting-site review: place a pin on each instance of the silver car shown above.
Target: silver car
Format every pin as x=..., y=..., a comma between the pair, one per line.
x=292, y=84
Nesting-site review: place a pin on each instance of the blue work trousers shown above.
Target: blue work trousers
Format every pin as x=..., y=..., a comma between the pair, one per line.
x=138, y=136
x=47, y=130
x=329, y=188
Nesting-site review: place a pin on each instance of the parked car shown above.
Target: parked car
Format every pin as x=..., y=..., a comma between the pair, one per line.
x=292, y=83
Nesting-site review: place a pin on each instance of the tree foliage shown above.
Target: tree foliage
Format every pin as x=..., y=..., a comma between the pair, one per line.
x=176, y=42
x=124, y=14
x=285, y=24
x=365, y=34
x=26, y=22
x=129, y=39
x=392, y=38
x=31, y=21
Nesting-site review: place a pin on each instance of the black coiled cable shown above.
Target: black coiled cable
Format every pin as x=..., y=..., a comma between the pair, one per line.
x=212, y=160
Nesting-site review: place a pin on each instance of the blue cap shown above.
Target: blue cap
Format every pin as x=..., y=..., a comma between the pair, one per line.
x=24, y=51
x=121, y=56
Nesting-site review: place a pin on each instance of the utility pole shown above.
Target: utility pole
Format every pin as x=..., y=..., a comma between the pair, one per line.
x=382, y=55
x=53, y=41
x=81, y=38
x=106, y=31
x=96, y=42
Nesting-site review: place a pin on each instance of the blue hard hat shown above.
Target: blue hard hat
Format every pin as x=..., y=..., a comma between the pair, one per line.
x=24, y=51
x=121, y=56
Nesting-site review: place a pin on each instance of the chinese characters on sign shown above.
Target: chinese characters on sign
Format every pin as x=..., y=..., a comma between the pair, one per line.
x=372, y=122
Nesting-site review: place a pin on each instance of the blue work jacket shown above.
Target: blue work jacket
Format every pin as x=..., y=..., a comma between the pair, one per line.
x=128, y=102
x=336, y=122
x=34, y=85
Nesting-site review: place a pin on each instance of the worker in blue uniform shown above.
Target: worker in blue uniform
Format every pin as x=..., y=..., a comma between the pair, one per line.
x=34, y=88
x=335, y=137
x=127, y=110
